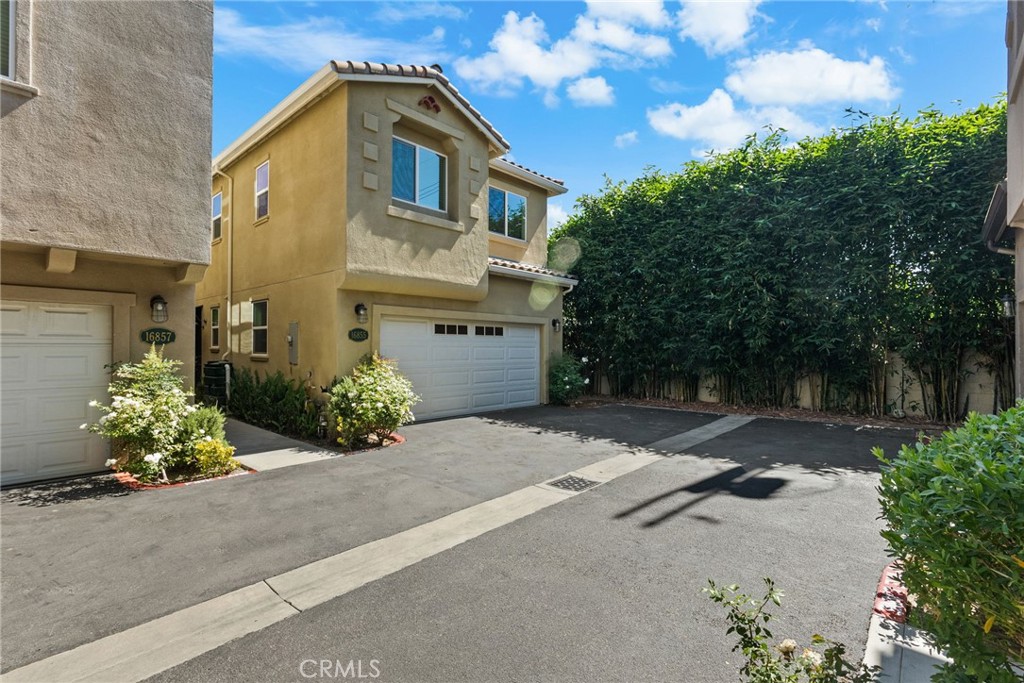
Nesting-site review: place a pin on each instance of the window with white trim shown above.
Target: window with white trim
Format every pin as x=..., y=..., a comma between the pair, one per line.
x=215, y=327
x=216, y=206
x=263, y=190
x=7, y=38
x=506, y=213
x=419, y=175
x=260, y=328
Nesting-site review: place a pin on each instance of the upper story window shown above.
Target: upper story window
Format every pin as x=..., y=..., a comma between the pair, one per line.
x=7, y=38
x=215, y=214
x=263, y=190
x=506, y=213
x=215, y=327
x=260, y=326
x=419, y=175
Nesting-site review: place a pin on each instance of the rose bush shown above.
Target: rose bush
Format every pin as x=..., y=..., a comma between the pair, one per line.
x=374, y=400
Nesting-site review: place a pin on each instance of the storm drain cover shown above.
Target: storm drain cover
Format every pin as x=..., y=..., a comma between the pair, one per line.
x=571, y=483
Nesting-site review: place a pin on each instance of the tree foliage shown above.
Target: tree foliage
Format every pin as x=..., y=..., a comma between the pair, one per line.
x=773, y=262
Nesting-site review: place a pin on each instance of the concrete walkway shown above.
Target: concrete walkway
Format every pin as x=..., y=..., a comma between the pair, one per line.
x=260, y=450
x=901, y=652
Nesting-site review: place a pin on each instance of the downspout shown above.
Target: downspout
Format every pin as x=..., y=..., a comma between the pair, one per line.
x=999, y=250
x=230, y=261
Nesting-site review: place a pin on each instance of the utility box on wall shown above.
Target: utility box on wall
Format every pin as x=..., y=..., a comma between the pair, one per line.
x=293, y=343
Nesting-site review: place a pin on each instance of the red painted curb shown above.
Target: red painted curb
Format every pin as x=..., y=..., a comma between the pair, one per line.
x=891, y=600
x=134, y=484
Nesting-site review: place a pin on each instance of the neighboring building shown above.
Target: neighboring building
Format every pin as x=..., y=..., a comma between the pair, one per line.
x=104, y=144
x=1015, y=165
x=371, y=211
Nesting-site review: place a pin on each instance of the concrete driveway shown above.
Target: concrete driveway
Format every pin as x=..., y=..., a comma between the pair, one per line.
x=603, y=586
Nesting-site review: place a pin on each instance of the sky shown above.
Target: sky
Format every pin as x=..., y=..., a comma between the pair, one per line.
x=589, y=90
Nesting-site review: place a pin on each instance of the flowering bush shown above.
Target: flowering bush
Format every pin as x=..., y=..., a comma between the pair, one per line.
x=748, y=619
x=374, y=400
x=213, y=457
x=151, y=422
x=565, y=380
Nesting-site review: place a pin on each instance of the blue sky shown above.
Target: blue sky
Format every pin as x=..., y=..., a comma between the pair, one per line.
x=588, y=89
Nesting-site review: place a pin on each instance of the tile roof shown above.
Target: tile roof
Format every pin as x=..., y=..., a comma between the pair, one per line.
x=404, y=71
x=526, y=267
x=557, y=181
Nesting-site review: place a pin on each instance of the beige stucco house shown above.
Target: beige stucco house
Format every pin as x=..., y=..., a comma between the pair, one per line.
x=104, y=205
x=372, y=210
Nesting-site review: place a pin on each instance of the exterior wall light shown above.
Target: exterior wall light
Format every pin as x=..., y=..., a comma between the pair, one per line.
x=361, y=313
x=159, y=307
x=1008, y=306
x=557, y=325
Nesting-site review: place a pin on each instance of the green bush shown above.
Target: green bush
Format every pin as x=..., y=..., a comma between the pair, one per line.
x=954, y=513
x=213, y=457
x=784, y=663
x=565, y=380
x=204, y=421
x=275, y=402
x=374, y=400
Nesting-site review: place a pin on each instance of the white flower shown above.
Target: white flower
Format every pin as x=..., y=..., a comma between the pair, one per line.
x=103, y=420
x=583, y=360
x=207, y=438
x=811, y=657
x=94, y=404
x=586, y=381
x=83, y=426
x=787, y=647
x=153, y=458
x=110, y=462
x=379, y=404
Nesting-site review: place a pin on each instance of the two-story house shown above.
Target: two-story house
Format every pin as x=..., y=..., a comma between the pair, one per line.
x=104, y=201
x=371, y=210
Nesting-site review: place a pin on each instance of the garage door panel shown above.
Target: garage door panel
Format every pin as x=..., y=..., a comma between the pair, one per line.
x=53, y=364
x=465, y=373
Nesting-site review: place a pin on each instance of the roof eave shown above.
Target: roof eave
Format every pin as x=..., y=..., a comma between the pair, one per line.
x=534, y=277
x=553, y=189
x=994, y=227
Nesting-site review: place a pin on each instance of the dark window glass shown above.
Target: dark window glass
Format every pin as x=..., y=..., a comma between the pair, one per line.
x=6, y=38
x=496, y=211
x=403, y=171
x=479, y=330
x=499, y=331
x=463, y=329
x=438, y=329
x=259, y=341
x=516, y=216
x=450, y=329
x=432, y=177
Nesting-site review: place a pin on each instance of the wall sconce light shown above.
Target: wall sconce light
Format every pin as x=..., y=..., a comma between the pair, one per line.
x=159, y=307
x=1008, y=306
x=557, y=325
x=361, y=315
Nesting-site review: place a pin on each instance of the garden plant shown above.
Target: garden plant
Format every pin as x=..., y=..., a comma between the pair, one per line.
x=373, y=401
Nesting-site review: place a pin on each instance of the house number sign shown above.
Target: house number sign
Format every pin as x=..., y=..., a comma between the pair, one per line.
x=358, y=334
x=157, y=335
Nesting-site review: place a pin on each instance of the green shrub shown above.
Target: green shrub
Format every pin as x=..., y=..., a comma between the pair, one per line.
x=374, y=400
x=565, y=380
x=204, y=421
x=785, y=662
x=954, y=513
x=275, y=402
x=213, y=457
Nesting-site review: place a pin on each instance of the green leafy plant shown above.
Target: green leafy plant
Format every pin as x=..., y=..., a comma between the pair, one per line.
x=203, y=422
x=565, y=380
x=374, y=400
x=778, y=268
x=274, y=402
x=214, y=457
x=954, y=517
x=782, y=663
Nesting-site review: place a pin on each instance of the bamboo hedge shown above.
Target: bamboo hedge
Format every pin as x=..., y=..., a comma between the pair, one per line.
x=771, y=263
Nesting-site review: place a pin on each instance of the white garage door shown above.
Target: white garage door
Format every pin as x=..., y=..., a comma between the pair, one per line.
x=465, y=367
x=52, y=366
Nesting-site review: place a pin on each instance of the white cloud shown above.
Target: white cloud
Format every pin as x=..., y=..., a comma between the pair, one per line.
x=556, y=215
x=395, y=12
x=875, y=24
x=718, y=27
x=309, y=44
x=591, y=92
x=649, y=13
x=665, y=87
x=717, y=124
x=626, y=139
x=521, y=51
x=959, y=9
x=809, y=75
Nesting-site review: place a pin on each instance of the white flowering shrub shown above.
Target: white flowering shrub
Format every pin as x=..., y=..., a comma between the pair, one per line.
x=151, y=422
x=565, y=380
x=374, y=400
x=786, y=662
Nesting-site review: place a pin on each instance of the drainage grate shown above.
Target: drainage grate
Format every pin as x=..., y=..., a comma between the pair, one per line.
x=571, y=483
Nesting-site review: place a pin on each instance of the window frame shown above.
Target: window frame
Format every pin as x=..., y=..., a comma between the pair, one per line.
x=12, y=46
x=443, y=196
x=265, y=327
x=506, y=193
x=257, y=191
x=215, y=328
x=216, y=219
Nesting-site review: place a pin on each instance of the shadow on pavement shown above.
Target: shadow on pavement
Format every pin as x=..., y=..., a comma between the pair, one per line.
x=62, y=491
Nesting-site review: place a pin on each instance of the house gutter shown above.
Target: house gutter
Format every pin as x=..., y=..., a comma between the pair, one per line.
x=230, y=241
x=994, y=227
x=567, y=282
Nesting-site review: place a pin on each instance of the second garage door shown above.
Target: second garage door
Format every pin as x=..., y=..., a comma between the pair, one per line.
x=465, y=367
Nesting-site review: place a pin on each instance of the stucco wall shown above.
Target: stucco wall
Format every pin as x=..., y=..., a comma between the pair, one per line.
x=113, y=154
x=535, y=248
